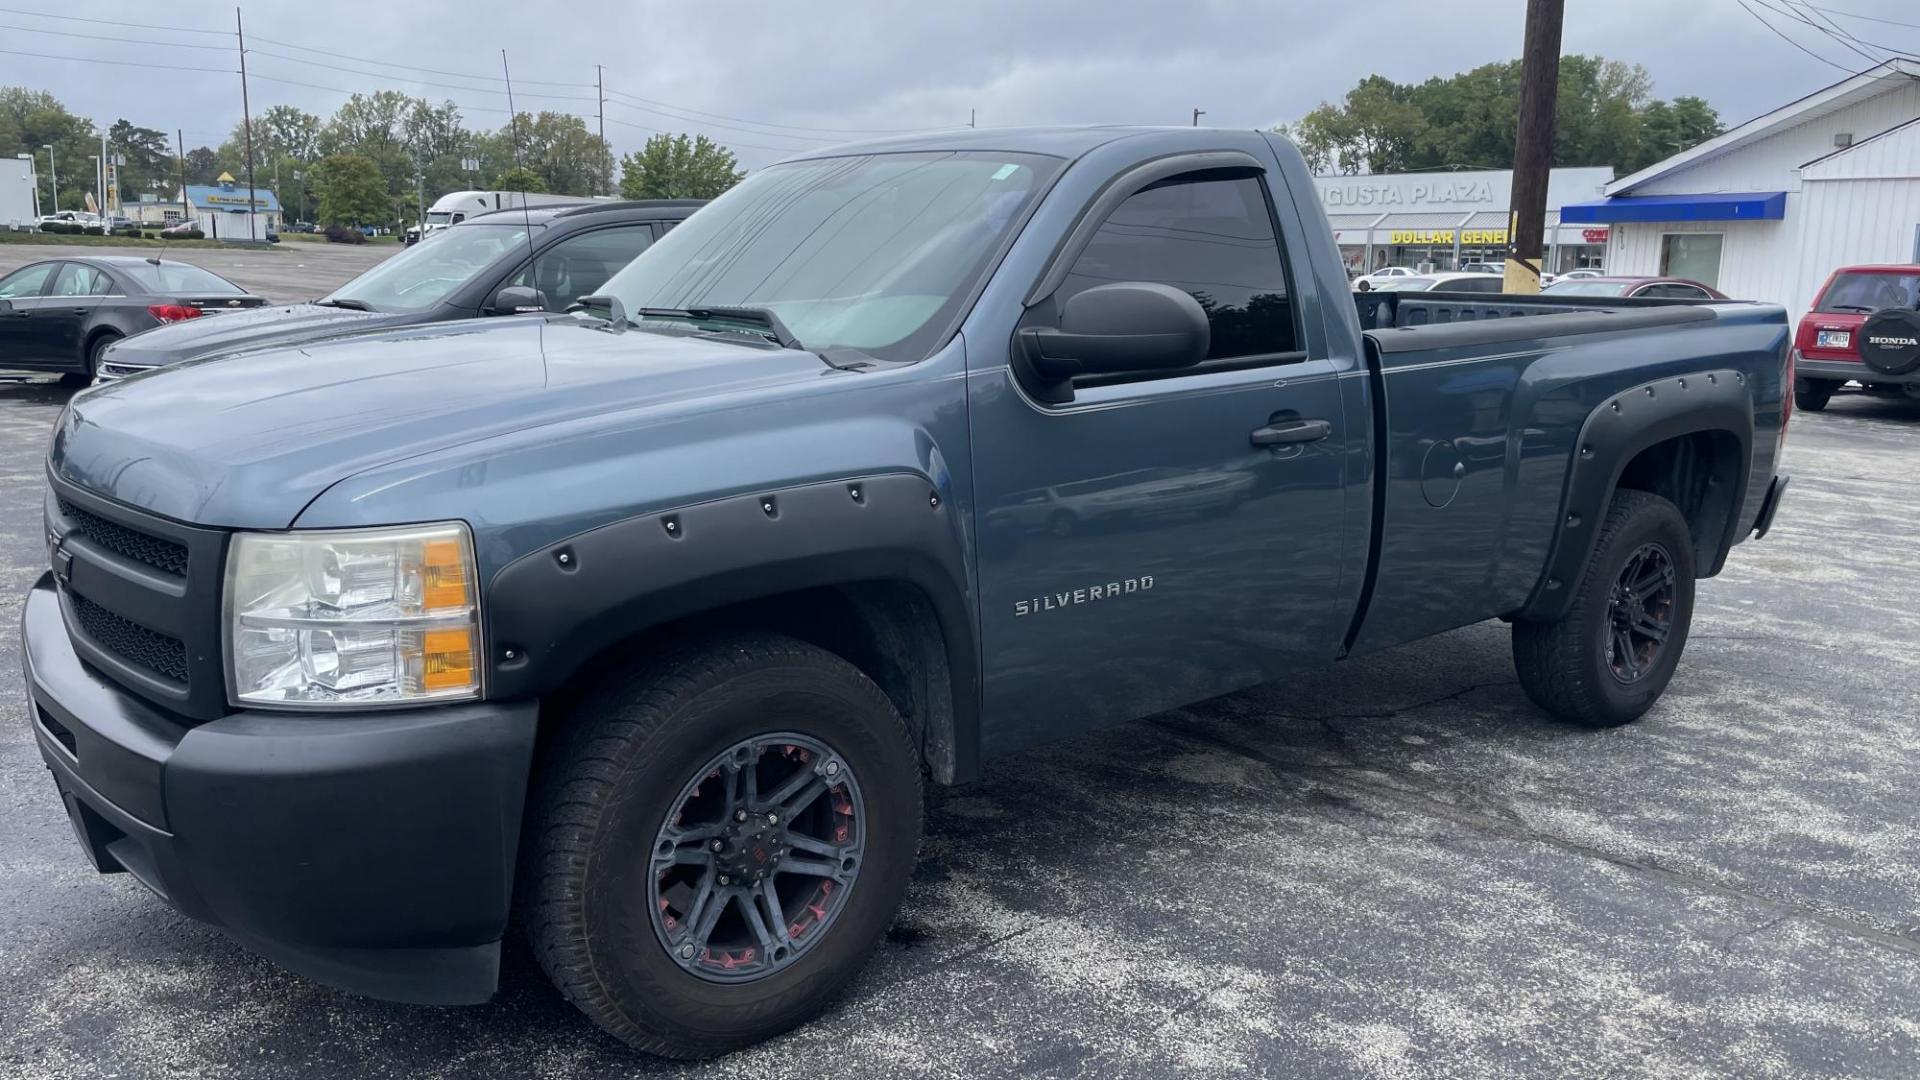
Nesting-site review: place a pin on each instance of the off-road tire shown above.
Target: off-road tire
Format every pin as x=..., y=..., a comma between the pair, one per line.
x=629, y=746
x=1564, y=664
x=1812, y=395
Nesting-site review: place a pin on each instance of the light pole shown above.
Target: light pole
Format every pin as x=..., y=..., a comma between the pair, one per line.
x=53, y=167
x=28, y=158
x=99, y=185
x=297, y=178
x=470, y=166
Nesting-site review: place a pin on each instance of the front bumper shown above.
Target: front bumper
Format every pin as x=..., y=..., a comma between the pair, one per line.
x=1843, y=371
x=371, y=851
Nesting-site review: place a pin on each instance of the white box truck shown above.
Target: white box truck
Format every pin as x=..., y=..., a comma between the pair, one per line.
x=457, y=206
x=18, y=207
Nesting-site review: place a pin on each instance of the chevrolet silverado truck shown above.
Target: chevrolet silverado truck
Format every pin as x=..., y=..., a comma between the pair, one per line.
x=641, y=628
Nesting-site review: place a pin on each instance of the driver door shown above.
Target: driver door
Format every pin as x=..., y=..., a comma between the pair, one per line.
x=22, y=328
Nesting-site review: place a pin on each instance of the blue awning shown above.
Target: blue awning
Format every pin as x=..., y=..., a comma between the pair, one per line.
x=1721, y=206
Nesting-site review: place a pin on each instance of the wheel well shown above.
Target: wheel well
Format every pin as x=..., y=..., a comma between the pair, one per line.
x=1698, y=472
x=886, y=629
x=93, y=339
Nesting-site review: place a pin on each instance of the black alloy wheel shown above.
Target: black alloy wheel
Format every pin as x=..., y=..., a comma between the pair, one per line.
x=757, y=858
x=1640, y=610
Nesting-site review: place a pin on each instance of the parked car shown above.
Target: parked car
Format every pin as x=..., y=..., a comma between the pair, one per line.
x=66, y=314
x=302, y=227
x=1664, y=288
x=1498, y=268
x=1386, y=273
x=649, y=624
x=480, y=267
x=1864, y=327
x=119, y=223
x=1445, y=282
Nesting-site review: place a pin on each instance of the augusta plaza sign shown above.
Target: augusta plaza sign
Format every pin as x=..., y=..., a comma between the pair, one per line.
x=1386, y=194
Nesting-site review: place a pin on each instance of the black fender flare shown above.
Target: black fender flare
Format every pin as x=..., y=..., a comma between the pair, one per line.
x=553, y=609
x=1614, y=433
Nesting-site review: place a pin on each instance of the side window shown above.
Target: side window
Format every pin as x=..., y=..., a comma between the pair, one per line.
x=1487, y=284
x=104, y=285
x=26, y=281
x=75, y=280
x=1213, y=238
x=579, y=265
x=1672, y=292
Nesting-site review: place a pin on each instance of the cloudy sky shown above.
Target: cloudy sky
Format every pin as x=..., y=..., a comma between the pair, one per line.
x=767, y=77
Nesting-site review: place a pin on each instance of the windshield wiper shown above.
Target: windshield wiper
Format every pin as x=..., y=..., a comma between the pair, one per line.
x=1848, y=307
x=775, y=329
x=350, y=304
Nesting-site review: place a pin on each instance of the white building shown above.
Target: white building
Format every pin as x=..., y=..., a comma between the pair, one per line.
x=1769, y=209
x=19, y=197
x=1443, y=220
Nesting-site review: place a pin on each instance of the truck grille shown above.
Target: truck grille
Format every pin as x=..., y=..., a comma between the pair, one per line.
x=141, y=594
x=164, y=656
x=163, y=555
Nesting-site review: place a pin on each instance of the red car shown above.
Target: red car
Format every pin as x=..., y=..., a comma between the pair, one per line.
x=1864, y=327
x=1671, y=288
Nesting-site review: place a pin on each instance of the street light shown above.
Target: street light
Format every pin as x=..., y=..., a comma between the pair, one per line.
x=53, y=167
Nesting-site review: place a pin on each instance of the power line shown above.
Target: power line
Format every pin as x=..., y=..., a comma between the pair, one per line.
x=645, y=102
x=729, y=142
x=417, y=82
x=427, y=71
x=1783, y=36
x=116, y=63
x=1865, y=18
x=117, y=23
x=116, y=40
x=1842, y=36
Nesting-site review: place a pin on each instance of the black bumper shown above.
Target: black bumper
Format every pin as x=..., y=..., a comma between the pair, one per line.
x=372, y=851
x=1842, y=371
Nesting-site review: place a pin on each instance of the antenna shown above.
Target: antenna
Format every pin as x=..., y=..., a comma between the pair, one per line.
x=526, y=215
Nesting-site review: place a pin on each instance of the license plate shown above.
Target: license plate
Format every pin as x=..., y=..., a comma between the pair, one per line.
x=1834, y=339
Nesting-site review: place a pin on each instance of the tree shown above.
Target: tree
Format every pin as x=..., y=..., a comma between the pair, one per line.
x=519, y=178
x=1605, y=115
x=570, y=159
x=203, y=165
x=351, y=191
x=33, y=119
x=148, y=160
x=677, y=167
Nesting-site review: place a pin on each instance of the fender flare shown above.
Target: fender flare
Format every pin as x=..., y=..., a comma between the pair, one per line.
x=553, y=609
x=1614, y=433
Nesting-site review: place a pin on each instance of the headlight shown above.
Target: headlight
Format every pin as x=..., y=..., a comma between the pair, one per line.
x=352, y=618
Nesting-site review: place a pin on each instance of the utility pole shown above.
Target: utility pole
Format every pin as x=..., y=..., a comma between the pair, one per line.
x=600, y=91
x=1197, y=114
x=971, y=114
x=246, y=118
x=180, y=145
x=1533, y=144
x=53, y=167
x=513, y=118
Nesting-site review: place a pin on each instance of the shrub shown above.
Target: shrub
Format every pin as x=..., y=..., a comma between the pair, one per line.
x=96, y=230
x=57, y=227
x=343, y=234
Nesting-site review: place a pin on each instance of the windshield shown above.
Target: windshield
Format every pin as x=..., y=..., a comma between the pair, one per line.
x=1872, y=292
x=174, y=277
x=874, y=253
x=423, y=275
x=439, y=217
x=1586, y=287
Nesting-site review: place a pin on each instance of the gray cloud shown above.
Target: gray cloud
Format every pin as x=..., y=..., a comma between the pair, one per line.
x=795, y=75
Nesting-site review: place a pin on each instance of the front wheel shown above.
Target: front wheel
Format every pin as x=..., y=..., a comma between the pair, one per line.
x=1812, y=395
x=1607, y=660
x=724, y=838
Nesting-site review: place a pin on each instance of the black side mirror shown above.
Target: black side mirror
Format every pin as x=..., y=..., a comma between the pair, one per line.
x=1123, y=328
x=518, y=300
x=6, y=307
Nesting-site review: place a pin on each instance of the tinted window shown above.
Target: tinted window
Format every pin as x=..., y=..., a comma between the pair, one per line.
x=1871, y=292
x=77, y=280
x=1485, y=284
x=579, y=265
x=422, y=275
x=1213, y=239
x=1586, y=287
x=1672, y=292
x=26, y=281
x=1406, y=284
x=180, y=279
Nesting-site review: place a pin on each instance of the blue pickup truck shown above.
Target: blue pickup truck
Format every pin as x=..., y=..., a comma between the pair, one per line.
x=641, y=627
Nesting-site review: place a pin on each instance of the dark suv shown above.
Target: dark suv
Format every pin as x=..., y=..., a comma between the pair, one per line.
x=495, y=264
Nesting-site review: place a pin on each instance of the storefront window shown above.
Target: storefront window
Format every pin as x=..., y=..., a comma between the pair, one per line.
x=1694, y=256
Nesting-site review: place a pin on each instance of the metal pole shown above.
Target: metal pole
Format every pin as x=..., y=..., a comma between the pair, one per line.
x=1197, y=114
x=971, y=114
x=1533, y=144
x=53, y=168
x=513, y=118
x=100, y=173
x=246, y=117
x=180, y=145
x=600, y=91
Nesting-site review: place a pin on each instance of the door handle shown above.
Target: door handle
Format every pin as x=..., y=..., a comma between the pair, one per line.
x=80, y=311
x=1291, y=431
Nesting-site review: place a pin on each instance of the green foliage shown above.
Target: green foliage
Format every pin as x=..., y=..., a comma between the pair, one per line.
x=678, y=167
x=30, y=121
x=351, y=191
x=1604, y=115
x=519, y=178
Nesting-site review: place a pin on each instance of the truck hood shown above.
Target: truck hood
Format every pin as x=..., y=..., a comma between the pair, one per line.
x=228, y=332
x=248, y=441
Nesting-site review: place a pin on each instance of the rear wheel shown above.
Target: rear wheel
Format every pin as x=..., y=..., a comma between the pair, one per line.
x=1812, y=395
x=91, y=362
x=1608, y=659
x=724, y=837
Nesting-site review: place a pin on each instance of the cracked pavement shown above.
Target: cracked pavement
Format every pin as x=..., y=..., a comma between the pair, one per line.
x=1395, y=867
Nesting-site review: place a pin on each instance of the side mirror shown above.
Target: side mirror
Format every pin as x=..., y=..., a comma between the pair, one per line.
x=1117, y=329
x=6, y=307
x=518, y=300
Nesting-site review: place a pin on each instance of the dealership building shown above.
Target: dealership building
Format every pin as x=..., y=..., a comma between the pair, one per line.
x=1769, y=209
x=1443, y=220
x=222, y=209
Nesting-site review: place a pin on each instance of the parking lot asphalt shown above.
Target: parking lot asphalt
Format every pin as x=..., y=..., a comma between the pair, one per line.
x=1392, y=868
x=289, y=272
